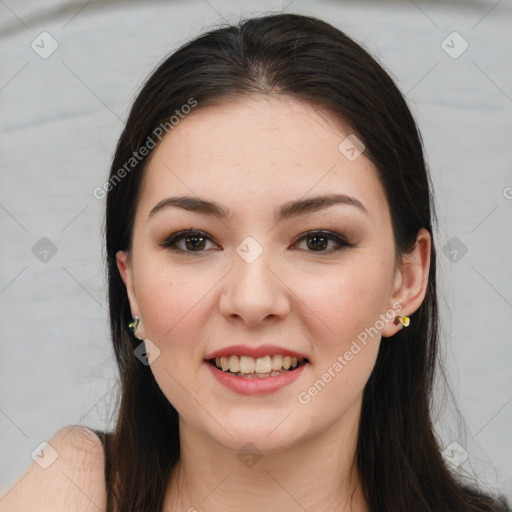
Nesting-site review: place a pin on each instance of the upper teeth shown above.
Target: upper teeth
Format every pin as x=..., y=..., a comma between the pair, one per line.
x=246, y=364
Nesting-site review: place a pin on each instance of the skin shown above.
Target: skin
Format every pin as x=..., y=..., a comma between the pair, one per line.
x=251, y=156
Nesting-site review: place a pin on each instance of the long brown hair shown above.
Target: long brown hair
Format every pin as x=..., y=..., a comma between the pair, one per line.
x=398, y=455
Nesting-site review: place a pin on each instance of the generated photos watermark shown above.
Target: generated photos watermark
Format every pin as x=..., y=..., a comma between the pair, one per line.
x=150, y=143
x=305, y=397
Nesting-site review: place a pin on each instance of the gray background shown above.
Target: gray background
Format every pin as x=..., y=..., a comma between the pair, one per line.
x=61, y=117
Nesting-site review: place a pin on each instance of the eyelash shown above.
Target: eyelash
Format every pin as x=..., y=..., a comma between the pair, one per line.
x=171, y=241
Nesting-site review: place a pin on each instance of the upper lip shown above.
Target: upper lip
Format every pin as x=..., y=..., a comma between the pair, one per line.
x=259, y=351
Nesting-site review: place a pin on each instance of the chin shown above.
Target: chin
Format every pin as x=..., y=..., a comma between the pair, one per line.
x=260, y=439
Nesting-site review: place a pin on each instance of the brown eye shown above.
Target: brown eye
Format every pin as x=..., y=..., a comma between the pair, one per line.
x=318, y=241
x=194, y=241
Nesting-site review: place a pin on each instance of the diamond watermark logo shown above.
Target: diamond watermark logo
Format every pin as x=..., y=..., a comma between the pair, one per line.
x=249, y=455
x=44, y=455
x=455, y=454
x=146, y=352
x=454, y=45
x=351, y=147
x=44, y=250
x=454, y=249
x=44, y=45
x=249, y=250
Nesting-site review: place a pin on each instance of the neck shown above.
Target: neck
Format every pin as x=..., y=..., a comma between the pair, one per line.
x=317, y=475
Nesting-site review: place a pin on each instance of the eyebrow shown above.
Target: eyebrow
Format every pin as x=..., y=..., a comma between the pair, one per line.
x=285, y=211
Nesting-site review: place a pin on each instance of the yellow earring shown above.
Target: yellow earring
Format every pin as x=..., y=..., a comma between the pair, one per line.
x=132, y=327
x=403, y=320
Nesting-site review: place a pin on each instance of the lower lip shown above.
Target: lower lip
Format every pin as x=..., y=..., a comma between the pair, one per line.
x=256, y=386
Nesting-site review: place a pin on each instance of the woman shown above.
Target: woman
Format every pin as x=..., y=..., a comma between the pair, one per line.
x=272, y=286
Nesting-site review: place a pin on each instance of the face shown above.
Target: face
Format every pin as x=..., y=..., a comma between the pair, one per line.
x=262, y=275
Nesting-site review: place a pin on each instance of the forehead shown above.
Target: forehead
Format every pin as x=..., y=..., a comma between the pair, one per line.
x=258, y=151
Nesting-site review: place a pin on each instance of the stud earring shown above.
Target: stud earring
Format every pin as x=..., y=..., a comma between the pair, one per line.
x=404, y=321
x=132, y=327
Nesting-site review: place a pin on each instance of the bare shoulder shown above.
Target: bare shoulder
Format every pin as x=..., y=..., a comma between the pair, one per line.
x=73, y=480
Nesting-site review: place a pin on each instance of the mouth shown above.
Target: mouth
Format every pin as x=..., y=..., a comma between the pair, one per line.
x=257, y=368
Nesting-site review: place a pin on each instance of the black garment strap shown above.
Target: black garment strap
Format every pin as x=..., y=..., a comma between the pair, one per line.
x=100, y=434
x=105, y=441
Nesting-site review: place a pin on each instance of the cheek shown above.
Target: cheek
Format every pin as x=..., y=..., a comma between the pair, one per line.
x=346, y=300
x=346, y=337
x=172, y=305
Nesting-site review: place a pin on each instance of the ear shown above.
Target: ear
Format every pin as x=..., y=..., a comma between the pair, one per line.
x=411, y=282
x=124, y=265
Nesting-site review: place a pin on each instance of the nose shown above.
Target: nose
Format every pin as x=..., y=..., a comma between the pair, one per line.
x=254, y=291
